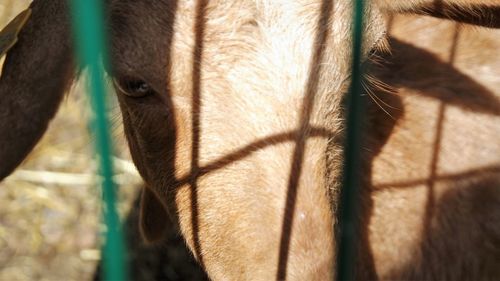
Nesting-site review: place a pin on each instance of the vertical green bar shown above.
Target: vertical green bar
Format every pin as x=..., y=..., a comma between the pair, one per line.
x=88, y=26
x=351, y=183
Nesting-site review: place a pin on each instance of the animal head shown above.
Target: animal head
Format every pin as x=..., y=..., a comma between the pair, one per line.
x=229, y=109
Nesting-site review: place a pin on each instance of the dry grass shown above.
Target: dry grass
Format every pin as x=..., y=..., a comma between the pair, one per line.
x=50, y=207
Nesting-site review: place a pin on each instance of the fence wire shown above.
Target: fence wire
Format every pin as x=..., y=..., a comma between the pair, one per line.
x=92, y=52
x=90, y=39
x=351, y=181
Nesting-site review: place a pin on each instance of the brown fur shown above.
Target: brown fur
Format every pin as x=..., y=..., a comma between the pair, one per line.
x=238, y=135
x=435, y=182
x=29, y=91
x=477, y=12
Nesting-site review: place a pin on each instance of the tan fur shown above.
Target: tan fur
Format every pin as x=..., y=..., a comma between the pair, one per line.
x=242, y=134
x=436, y=181
x=254, y=75
x=258, y=65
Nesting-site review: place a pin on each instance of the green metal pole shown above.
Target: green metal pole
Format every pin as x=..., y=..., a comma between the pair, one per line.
x=88, y=26
x=351, y=181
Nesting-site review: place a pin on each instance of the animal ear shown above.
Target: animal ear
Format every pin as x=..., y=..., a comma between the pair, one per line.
x=37, y=71
x=153, y=219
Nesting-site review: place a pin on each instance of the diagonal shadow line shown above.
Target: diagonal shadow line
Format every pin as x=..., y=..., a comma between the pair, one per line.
x=199, y=29
x=455, y=177
x=466, y=92
x=322, y=32
x=432, y=68
x=248, y=150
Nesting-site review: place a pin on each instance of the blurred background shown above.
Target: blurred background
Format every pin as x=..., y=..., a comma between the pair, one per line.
x=50, y=207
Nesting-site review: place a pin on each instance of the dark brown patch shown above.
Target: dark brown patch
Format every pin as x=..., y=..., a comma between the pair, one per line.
x=141, y=35
x=488, y=16
x=36, y=73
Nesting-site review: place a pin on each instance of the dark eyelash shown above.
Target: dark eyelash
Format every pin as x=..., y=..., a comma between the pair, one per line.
x=135, y=88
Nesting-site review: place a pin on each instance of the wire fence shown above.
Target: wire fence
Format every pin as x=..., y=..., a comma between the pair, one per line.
x=90, y=39
x=92, y=52
x=49, y=207
x=88, y=23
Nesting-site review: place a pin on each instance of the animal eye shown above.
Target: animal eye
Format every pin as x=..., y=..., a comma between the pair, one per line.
x=134, y=88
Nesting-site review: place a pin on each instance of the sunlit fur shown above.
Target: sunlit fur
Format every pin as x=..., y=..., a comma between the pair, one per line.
x=255, y=65
x=435, y=182
x=256, y=59
x=242, y=137
x=255, y=70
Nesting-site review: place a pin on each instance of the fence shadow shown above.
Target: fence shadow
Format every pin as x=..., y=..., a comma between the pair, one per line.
x=482, y=100
x=416, y=69
x=199, y=30
x=472, y=202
